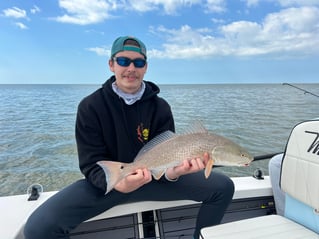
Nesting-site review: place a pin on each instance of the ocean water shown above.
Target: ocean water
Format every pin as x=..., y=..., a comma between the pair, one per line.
x=37, y=143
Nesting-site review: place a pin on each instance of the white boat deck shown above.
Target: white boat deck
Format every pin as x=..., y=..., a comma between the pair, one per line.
x=16, y=209
x=259, y=227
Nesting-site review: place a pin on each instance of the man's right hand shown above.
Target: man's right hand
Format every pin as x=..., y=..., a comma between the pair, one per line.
x=134, y=181
x=188, y=166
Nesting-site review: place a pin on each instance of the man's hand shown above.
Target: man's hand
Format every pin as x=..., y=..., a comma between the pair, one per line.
x=134, y=181
x=188, y=166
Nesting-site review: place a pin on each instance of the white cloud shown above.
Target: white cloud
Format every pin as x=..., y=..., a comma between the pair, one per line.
x=15, y=12
x=293, y=21
x=292, y=31
x=169, y=6
x=252, y=2
x=84, y=12
x=218, y=20
x=288, y=3
x=35, y=9
x=21, y=25
x=186, y=43
x=216, y=6
x=101, y=51
x=284, y=3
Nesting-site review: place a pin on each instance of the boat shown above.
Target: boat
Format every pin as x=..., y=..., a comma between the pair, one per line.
x=151, y=219
x=253, y=200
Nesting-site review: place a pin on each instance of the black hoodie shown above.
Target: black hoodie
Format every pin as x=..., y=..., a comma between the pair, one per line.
x=109, y=129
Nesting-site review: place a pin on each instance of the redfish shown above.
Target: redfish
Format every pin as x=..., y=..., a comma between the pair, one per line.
x=169, y=150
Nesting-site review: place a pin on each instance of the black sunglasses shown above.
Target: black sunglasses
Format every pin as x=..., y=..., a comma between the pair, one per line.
x=124, y=61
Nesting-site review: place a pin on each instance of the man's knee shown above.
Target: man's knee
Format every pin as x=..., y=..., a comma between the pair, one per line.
x=224, y=189
x=229, y=188
x=39, y=228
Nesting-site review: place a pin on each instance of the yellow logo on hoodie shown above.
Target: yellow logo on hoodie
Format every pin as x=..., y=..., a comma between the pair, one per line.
x=142, y=133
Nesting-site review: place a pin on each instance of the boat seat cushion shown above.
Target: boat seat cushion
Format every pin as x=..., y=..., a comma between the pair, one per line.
x=300, y=166
x=300, y=175
x=264, y=227
x=302, y=214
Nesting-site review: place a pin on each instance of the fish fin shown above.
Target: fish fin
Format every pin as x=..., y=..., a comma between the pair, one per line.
x=217, y=151
x=157, y=174
x=113, y=172
x=209, y=167
x=167, y=135
x=196, y=127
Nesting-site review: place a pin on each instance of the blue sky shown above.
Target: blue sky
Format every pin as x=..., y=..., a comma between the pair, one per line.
x=188, y=41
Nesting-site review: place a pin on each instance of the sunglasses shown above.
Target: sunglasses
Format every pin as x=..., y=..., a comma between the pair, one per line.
x=125, y=62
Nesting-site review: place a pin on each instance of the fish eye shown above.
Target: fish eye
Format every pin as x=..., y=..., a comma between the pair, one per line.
x=122, y=167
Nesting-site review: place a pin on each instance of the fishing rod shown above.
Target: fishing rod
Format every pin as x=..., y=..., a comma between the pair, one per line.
x=305, y=91
x=257, y=158
x=265, y=156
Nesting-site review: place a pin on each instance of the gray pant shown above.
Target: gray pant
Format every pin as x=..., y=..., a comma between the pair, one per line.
x=274, y=173
x=80, y=201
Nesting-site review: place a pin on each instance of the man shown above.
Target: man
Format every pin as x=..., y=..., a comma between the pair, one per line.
x=114, y=123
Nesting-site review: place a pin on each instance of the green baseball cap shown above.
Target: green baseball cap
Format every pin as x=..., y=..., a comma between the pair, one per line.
x=123, y=44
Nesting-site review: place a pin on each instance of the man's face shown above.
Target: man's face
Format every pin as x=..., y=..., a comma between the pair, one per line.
x=128, y=78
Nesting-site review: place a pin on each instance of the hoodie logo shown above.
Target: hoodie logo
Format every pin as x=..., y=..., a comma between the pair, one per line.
x=142, y=133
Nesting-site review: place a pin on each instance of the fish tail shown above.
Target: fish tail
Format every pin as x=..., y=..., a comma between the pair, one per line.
x=113, y=173
x=209, y=167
